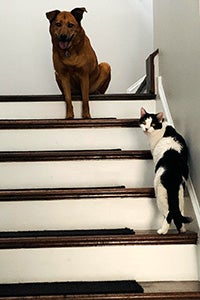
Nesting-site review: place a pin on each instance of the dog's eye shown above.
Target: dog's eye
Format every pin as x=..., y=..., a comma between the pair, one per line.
x=70, y=25
x=58, y=24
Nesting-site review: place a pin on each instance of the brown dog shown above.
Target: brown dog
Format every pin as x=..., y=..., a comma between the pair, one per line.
x=75, y=62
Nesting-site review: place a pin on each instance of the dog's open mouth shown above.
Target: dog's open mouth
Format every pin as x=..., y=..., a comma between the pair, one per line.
x=63, y=45
x=64, y=42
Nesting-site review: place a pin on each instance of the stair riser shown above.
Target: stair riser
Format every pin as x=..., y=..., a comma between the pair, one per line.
x=149, y=263
x=136, y=213
x=53, y=110
x=70, y=139
x=83, y=173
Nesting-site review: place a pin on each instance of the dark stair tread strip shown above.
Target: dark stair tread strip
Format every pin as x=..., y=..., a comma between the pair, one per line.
x=99, y=97
x=65, y=233
x=73, y=155
x=139, y=238
x=64, y=123
x=74, y=193
x=70, y=288
x=150, y=290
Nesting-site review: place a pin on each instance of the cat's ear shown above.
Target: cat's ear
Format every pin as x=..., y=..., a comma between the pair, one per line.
x=142, y=112
x=160, y=117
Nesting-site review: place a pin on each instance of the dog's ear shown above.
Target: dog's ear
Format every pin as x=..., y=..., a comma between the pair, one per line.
x=51, y=15
x=78, y=13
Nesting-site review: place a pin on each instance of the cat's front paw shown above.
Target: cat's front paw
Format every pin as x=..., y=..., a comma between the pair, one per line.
x=161, y=231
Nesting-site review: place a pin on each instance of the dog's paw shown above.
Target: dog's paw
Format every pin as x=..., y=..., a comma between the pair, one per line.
x=70, y=116
x=86, y=116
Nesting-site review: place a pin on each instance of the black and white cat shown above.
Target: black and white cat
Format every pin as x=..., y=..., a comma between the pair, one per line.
x=170, y=156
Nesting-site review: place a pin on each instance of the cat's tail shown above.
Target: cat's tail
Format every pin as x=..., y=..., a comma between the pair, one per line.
x=178, y=219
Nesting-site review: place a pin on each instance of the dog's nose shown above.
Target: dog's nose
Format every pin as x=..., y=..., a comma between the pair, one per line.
x=63, y=37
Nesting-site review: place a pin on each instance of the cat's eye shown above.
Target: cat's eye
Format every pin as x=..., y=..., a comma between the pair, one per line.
x=153, y=124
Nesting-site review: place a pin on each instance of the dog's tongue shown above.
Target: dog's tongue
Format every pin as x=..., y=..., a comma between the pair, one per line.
x=63, y=45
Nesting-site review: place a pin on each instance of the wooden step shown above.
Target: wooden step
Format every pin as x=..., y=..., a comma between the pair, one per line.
x=29, y=209
x=54, y=107
x=98, y=97
x=85, y=258
x=36, y=138
x=20, y=156
x=169, y=290
x=74, y=193
x=80, y=238
x=64, y=123
x=60, y=170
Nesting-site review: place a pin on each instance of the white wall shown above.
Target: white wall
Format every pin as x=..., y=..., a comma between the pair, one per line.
x=177, y=35
x=120, y=32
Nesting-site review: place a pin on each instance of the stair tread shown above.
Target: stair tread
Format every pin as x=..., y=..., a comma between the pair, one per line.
x=64, y=123
x=74, y=193
x=94, y=97
x=60, y=238
x=152, y=290
x=73, y=155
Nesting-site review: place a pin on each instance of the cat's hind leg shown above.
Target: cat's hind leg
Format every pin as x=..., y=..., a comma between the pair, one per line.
x=162, y=202
x=181, y=205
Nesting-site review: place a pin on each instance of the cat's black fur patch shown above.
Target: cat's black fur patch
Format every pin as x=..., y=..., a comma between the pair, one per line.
x=175, y=169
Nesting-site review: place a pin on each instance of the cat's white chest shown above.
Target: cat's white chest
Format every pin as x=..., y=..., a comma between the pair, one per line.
x=163, y=145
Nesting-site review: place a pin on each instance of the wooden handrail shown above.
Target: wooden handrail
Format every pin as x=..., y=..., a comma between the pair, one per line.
x=150, y=72
x=148, y=83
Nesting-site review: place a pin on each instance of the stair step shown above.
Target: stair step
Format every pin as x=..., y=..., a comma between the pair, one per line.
x=98, y=97
x=21, y=156
x=80, y=238
x=43, y=209
x=58, y=170
x=54, y=107
x=170, y=290
x=105, y=257
x=64, y=123
x=74, y=193
x=83, y=138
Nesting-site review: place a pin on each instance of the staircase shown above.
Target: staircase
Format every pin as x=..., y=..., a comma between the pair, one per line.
x=77, y=206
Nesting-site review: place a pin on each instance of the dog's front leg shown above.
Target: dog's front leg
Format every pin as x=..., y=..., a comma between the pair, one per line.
x=66, y=87
x=85, y=97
